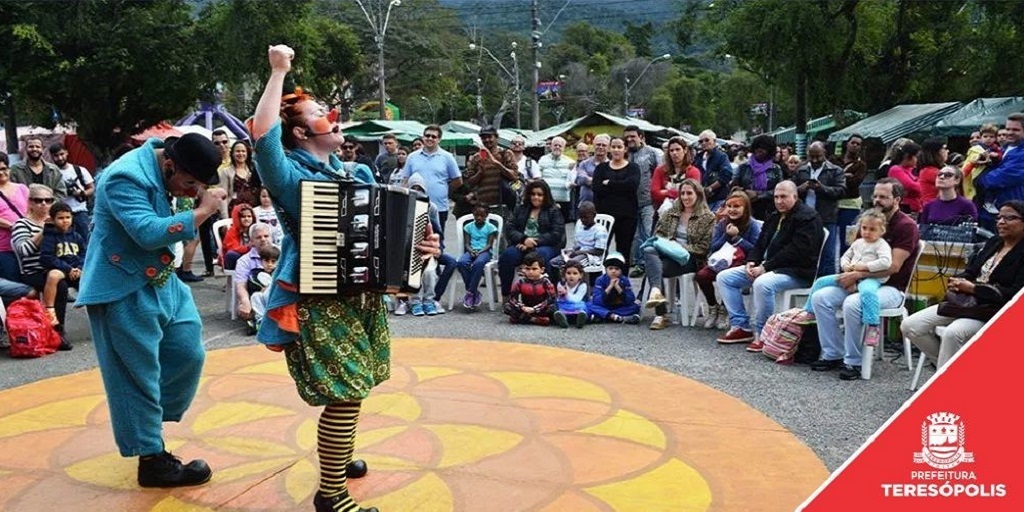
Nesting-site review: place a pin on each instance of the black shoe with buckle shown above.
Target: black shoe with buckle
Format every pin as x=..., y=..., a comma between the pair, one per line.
x=322, y=503
x=166, y=470
x=849, y=372
x=825, y=365
x=356, y=469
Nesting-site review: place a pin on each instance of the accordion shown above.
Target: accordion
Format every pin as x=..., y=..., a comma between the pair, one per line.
x=357, y=237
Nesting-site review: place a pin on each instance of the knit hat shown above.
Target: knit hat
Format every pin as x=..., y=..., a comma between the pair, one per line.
x=195, y=154
x=615, y=259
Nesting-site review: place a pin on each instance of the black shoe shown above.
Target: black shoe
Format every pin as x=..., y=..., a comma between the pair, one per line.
x=189, y=277
x=208, y=273
x=849, y=372
x=64, y=345
x=322, y=504
x=166, y=470
x=356, y=469
x=636, y=271
x=825, y=365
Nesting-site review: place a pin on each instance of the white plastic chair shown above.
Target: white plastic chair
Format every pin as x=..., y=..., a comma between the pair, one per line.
x=939, y=331
x=608, y=222
x=901, y=313
x=460, y=242
x=789, y=296
x=231, y=300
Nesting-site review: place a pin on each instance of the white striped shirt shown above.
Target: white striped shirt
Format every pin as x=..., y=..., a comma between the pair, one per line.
x=28, y=253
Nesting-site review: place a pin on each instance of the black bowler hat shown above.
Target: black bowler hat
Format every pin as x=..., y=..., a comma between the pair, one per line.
x=196, y=155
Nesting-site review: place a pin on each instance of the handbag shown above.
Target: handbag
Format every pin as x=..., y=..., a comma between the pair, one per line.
x=965, y=305
x=668, y=249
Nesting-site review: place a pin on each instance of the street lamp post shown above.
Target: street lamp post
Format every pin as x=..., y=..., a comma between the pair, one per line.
x=433, y=115
x=379, y=23
x=512, y=75
x=629, y=85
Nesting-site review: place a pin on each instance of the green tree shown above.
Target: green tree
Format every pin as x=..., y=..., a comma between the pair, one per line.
x=595, y=48
x=639, y=35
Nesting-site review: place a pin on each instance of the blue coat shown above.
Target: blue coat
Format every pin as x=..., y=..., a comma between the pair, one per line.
x=133, y=229
x=1005, y=181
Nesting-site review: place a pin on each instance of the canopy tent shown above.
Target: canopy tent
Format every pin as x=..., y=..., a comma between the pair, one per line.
x=505, y=135
x=208, y=112
x=405, y=132
x=815, y=126
x=976, y=113
x=899, y=121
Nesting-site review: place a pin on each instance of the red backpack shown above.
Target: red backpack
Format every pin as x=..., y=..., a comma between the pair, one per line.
x=29, y=329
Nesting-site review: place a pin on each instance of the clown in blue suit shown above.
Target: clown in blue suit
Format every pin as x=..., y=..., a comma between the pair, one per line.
x=144, y=322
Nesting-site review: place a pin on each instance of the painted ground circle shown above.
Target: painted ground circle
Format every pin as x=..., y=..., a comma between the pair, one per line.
x=461, y=426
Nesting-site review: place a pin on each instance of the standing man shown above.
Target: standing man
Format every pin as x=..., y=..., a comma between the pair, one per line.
x=821, y=185
x=556, y=169
x=646, y=159
x=585, y=169
x=715, y=169
x=1006, y=180
x=528, y=169
x=80, y=189
x=35, y=170
x=490, y=172
x=841, y=346
x=144, y=322
x=387, y=161
x=440, y=172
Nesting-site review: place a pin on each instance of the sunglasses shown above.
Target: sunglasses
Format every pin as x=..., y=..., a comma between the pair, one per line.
x=430, y=136
x=221, y=143
x=347, y=148
x=945, y=175
x=42, y=200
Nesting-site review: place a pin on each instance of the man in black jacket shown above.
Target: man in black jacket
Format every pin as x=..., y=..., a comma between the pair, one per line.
x=715, y=170
x=821, y=184
x=785, y=257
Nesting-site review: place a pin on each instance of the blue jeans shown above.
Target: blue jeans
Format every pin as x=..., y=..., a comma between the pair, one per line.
x=731, y=283
x=512, y=257
x=868, y=290
x=13, y=290
x=9, y=268
x=448, y=265
x=845, y=343
x=644, y=228
x=847, y=217
x=80, y=223
x=472, y=269
x=827, y=262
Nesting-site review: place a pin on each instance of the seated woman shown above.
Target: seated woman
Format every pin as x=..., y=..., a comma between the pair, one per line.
x=950, y=207
x=741, y=230
x=236, y=240
x=689, y=223
x=993, y=276
x=537, y=226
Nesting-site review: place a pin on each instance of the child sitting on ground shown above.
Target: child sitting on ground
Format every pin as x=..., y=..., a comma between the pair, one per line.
x=259, y=284
x=62, y=255
x=572, y=296
x=591, y=239
x=613, y=299
x=533, y=297
x=869, y=253
x=480, y=236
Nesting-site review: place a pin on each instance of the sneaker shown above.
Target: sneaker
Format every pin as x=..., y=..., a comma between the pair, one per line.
x=166, y=470
x=439, y=308
x=804, y=318
x=711, y=319
x=540, y=320
x=428, y=308
x=871, y=335
x=755, y=346
x=631, y=319
x=467, y=300
x=477, y=299
x=417, y=309
x=561, y=319
x=736, y=335
x=659, y=323
x=402, y=307
x=581, y=320
x=636, y=271
x=825, y=365
x=655, y=299
x=723, y=318
x=849, y=372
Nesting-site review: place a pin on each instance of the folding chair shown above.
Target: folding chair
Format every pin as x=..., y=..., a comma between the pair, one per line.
x=231, y=300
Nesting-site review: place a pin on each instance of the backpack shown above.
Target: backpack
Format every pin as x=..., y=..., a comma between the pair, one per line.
x=781, y=336
x=29, y=329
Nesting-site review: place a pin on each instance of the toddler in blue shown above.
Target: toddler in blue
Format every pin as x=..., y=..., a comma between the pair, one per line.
x=571, y=295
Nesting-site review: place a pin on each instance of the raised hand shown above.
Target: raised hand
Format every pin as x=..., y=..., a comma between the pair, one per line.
x=280, y=57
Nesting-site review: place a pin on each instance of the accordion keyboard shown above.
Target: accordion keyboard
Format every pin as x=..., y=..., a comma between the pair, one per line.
x=320, y=237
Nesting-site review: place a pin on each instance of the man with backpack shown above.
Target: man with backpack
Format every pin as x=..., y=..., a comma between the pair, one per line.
x=80, y=189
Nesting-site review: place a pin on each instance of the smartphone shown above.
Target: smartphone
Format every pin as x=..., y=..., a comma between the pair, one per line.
x=483, y=154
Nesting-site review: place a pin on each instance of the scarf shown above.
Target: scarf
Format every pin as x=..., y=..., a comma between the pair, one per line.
x=760, y=170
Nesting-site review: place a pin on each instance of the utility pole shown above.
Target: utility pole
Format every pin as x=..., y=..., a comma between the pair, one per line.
x=535, y=37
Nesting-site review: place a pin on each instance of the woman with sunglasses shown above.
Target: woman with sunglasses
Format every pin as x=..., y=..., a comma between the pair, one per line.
x=992, y=277
x=337, y=348
x=950, y=207
x=27, y=239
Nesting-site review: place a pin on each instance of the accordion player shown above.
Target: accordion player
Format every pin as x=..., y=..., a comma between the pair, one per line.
x=357, y=237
